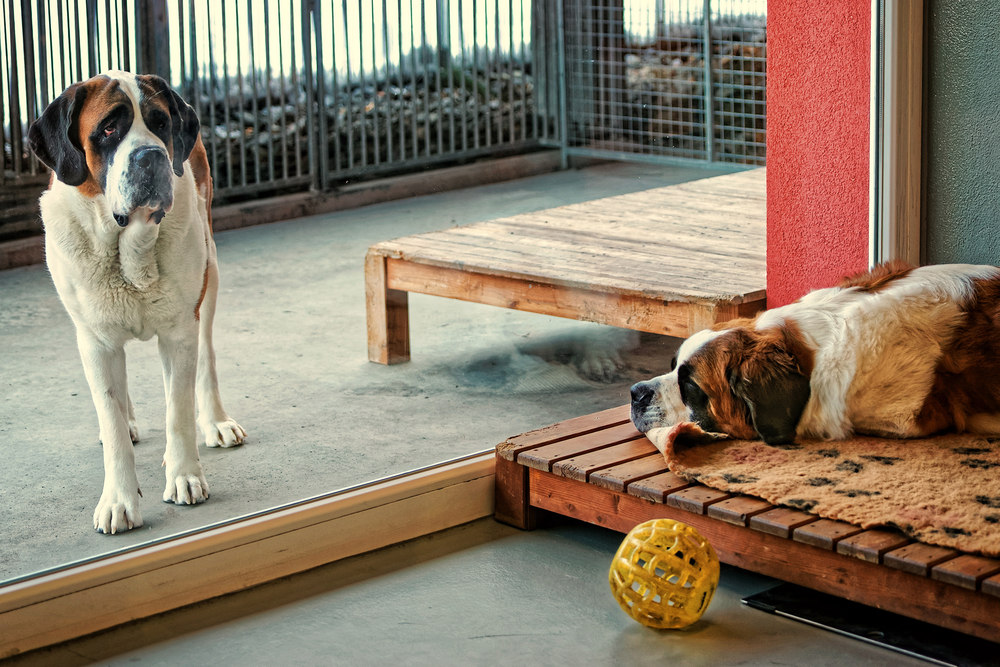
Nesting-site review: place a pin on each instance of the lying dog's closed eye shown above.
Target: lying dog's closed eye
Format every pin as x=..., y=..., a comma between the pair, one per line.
x=128, y=241
x=896, y=352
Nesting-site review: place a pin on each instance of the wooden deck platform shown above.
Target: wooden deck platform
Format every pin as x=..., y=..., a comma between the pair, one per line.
x=671, y=260
x=599, y=469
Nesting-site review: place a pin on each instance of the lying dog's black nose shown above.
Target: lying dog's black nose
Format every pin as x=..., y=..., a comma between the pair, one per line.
x=642, y=394
x=149, y=158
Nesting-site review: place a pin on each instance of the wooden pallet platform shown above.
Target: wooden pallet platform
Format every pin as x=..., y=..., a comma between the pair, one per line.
x=599, y=469
x=670, y=260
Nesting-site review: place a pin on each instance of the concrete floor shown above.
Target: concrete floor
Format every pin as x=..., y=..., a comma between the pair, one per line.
x=480, y=594
x=291, y=345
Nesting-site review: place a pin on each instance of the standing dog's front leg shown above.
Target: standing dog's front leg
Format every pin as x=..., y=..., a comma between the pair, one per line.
x=104, y=364
x=186, y=483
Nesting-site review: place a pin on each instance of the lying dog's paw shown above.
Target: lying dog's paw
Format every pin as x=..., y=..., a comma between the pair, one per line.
x=225, y=433
x=117, y=512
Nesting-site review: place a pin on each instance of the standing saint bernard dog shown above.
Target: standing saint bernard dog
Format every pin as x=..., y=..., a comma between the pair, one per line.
x=897, y=352
x=128, y=241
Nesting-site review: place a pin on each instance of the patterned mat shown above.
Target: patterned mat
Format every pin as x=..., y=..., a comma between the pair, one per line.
x=943, y=490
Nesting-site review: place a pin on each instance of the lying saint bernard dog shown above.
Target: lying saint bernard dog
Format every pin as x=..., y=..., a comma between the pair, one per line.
x=128, y=241
x=897, y=352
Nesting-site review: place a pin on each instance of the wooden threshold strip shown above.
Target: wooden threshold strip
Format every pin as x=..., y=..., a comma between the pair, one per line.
x=97, y=595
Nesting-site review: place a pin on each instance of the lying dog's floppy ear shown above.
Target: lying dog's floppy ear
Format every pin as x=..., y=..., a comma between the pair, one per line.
x=773, y=382
x=55, y=138
x=184, y=123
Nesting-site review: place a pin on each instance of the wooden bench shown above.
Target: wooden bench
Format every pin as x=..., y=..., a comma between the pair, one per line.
x=671, y=260
x=599, y=469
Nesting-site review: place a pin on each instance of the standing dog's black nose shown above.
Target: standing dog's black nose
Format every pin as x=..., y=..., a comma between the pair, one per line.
x=147, y=158
x=642, y=394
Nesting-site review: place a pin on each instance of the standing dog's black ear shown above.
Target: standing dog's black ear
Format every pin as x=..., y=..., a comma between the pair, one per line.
x=55, y=137
x=184, y=127
x=775, y=403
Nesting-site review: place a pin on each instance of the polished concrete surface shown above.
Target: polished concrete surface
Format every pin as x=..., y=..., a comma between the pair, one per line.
x=480, y=594
x=292, y=358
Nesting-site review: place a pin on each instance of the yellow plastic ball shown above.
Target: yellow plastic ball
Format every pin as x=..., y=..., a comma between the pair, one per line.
x=664, y=574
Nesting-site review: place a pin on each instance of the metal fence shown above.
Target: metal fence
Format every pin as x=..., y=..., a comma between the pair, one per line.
x=636, y=73
x=308, y=94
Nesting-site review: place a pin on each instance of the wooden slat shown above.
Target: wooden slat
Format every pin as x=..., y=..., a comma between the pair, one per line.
x=658, y=487
x=543, y=458
x=696, y=499
x=580, y=467
x=824, y=533
x=966, y=570
x=403, y=274
x=618, y=477
x=566, y=253
x=563, y=430
x=921, y=598
x=511, y=496
x=693, y=274
x=918, y=558
x=872, y=545
x=781, y=521
x=991, y=585
x=738, y=510
x=673, y=315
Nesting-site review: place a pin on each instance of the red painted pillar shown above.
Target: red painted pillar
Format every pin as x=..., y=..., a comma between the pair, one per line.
x=817, y=144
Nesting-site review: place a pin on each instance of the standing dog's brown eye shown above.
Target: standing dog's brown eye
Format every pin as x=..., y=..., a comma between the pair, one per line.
x=673, y=363
x=109, y=130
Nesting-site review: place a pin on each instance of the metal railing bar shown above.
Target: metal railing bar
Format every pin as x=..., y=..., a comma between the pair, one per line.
x=311, y=103
x=240, y=122
x=211, y=97
x=294, y=83
x=349, y=89
x=273, y=123
x=376, y=107
x=437, y=74
x=388, y=80
x=401, y=124
x=708, y=84
x=283, y=99
x=461, y=50
x=4, y=91
x=255, y=137
x=426, y=78
x=414, y=135
x=336, y=92
x=226, y=94
x=364, y=90
x=321, y=110
x=91, y=9
x=451, y=76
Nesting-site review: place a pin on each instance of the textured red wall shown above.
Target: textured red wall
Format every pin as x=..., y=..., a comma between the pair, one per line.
x=817, y=144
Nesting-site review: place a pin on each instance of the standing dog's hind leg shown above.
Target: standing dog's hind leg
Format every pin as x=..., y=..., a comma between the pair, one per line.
x=220, y=430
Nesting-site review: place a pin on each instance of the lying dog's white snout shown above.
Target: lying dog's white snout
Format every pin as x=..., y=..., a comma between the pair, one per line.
x=657, y=403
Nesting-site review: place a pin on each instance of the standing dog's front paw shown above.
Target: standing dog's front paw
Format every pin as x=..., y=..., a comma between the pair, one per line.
x=186, y=488
x=223, y=433
x=117, y=512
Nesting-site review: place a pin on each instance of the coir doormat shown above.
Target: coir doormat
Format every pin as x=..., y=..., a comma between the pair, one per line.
x=943, y=490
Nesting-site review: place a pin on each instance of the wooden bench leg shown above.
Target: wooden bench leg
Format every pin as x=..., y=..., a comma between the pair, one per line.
x=513, y=505
x=388, y=315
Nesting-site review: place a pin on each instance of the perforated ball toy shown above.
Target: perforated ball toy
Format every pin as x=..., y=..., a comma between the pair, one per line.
x=664, y=574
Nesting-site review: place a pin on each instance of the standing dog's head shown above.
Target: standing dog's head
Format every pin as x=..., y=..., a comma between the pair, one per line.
x=118, y=135
x=741, y=381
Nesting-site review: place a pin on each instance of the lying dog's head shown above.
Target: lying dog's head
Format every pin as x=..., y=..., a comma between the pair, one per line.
x=738, y=380
x=118, y=135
